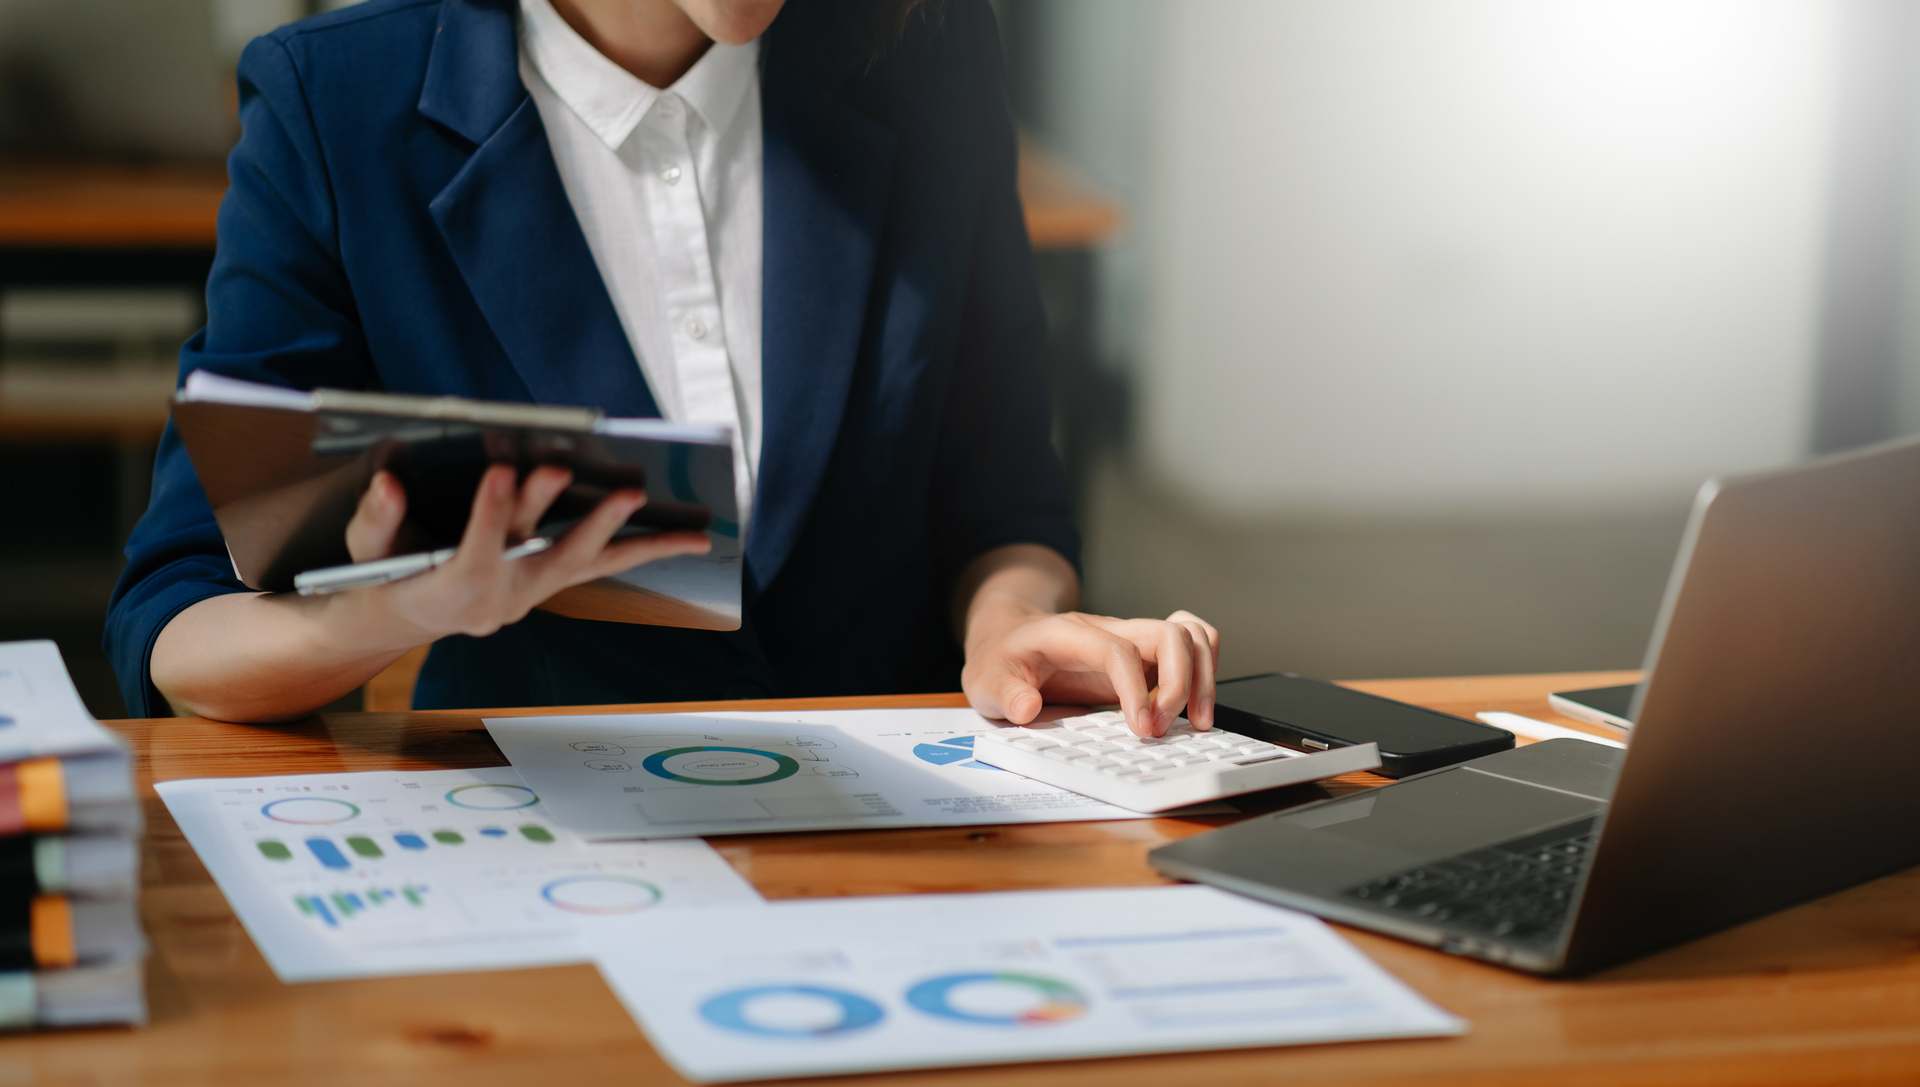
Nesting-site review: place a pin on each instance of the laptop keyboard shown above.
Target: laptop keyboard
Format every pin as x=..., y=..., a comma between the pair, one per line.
x=1520, y=890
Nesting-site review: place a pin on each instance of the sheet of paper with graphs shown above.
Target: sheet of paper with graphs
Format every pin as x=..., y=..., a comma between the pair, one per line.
x=831, y=986
x=671, y=775
x=395, y=872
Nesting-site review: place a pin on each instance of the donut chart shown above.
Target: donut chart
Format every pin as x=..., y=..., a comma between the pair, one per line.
x=999, y=999
x=791, y=1011
x=310, y=811
x=601, y=895
x=486, y=797
x=720, y=765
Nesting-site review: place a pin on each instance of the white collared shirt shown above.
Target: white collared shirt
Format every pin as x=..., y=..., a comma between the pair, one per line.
x=666, y=185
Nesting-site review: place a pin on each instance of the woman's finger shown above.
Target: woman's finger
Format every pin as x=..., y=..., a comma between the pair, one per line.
x=1185, y=668
x=626, y=554
x=1003, y=690
x=1200, y=696
x=1212, y=635
x=560, y=565
x=487, y=523
x=1082, y=646
x=1173, y=655
x=537, y=493
x=377, y=519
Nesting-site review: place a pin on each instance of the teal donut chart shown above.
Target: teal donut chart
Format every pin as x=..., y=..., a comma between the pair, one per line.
x=783, y=766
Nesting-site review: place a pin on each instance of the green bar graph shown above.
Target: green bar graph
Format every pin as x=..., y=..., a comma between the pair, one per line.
x=364, y=846
x=274, y=851
x=448, y=837
x=533, y=832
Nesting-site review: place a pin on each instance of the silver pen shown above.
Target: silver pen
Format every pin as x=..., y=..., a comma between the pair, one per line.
x=360, y=575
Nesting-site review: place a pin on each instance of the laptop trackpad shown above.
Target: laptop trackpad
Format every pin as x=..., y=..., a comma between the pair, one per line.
x=1372, y=834
x=1448, y=813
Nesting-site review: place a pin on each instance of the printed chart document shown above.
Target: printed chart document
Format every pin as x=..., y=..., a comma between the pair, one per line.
x=823, y=987
x=40, y=712
x=370, y=874
x=656, y=775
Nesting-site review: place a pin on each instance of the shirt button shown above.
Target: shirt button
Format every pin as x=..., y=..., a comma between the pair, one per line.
x=670, y=175
x=696, y=329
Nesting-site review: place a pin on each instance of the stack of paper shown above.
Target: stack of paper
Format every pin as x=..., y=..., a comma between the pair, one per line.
x=70, y=942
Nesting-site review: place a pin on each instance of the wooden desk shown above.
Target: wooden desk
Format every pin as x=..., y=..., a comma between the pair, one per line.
x=1826, y=993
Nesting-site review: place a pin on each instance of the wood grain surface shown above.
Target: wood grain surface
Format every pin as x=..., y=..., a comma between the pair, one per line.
x=1826, y=993
x=120, y=205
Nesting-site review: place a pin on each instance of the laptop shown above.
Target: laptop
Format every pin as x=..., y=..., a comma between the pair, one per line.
x=1786, y=658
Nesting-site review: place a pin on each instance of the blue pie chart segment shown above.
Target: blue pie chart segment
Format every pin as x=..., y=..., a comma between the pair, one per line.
x=955, y=752
x=999, y=999
x=791, y=1011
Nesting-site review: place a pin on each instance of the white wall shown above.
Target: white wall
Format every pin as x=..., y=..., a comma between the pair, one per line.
x=1412, y=255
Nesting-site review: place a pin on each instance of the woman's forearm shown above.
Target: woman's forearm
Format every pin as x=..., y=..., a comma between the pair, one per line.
x=1011, y=585
x=274, y=656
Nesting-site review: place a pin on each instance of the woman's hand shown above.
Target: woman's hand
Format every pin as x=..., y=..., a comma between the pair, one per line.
x=475, y=592
x=280, y=656
x=1151, y=667
x=1024, y=649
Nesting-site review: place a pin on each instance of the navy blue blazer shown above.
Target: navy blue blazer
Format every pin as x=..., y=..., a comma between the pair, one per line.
x=396, y=222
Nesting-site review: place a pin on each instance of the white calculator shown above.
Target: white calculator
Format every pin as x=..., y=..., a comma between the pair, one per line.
x=1098, y=756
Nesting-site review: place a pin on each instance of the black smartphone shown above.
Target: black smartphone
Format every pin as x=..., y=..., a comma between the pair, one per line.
x=1296, y=711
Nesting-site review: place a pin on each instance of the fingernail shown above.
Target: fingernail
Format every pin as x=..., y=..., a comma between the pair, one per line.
x=1204, y=712
x=501, y=485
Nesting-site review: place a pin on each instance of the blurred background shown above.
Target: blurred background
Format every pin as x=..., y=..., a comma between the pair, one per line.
x=1392, y=336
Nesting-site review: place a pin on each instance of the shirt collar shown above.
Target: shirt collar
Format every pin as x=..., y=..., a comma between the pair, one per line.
x=610, y=100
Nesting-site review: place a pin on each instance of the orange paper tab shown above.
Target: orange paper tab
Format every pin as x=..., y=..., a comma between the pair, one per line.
x=53, y=944
x=42, y=786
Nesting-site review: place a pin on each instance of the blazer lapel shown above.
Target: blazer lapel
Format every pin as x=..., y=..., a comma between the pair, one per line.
x=828, y=172
x=506, y=219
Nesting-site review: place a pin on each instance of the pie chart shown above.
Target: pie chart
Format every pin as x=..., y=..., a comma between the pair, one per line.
x=957, y=751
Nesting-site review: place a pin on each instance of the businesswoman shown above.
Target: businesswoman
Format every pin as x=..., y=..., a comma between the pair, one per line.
x=798, y=220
